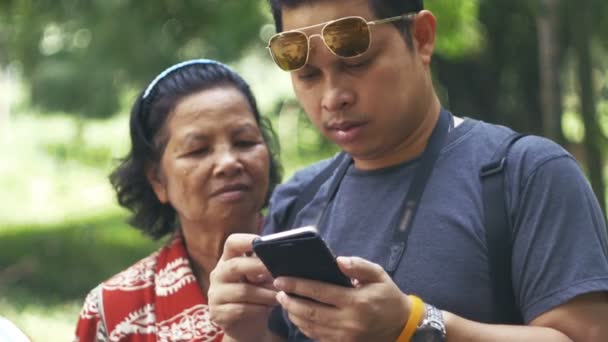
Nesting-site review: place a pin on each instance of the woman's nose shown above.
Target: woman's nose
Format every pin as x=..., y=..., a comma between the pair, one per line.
x=227, y=163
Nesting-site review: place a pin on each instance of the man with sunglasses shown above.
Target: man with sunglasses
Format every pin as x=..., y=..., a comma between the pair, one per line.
x=360, y=69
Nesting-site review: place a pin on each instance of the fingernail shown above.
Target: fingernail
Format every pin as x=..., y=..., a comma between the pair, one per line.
x=281, y=297
x=279, y=283
x=346, y=262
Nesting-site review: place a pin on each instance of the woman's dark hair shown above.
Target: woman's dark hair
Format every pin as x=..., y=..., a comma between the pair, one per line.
x=148, y=141
x=380, y=8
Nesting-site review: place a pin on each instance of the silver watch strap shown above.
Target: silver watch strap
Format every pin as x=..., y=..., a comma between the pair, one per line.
x=433, y=319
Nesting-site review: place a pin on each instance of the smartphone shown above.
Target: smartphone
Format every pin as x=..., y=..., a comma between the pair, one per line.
x=301, y=253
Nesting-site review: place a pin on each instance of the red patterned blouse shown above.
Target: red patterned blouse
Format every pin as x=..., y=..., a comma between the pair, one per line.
x=156, y=299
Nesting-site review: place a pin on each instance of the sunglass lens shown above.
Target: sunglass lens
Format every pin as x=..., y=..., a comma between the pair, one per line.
x=289, y=50
x=348, y=37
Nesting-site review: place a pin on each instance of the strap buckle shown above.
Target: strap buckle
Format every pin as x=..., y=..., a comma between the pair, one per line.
x=492, y=168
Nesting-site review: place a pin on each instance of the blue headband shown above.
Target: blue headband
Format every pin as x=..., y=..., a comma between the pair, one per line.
x=178, y=66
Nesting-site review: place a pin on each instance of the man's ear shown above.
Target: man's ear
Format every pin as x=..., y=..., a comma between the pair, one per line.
x=423, y=30
x=157, y=182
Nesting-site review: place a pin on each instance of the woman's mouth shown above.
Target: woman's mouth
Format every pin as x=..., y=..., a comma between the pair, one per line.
x=230, y=192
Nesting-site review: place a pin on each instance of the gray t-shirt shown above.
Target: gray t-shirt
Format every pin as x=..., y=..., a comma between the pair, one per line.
x=559, y=248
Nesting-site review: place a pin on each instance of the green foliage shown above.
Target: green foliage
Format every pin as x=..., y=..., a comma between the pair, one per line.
x=64, y=261
x=301, y=142
x=499, y=80
x=60, y=231
x=55, y=167
x=79, y=55
x=458, y=30
x=46, y=270
x=63, y=86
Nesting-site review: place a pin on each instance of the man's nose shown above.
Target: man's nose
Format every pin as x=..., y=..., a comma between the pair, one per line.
x=337, y=98
x=338, y=94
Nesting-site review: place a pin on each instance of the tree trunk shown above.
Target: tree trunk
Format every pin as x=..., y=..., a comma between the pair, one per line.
x=593, y=136
x=549, y=66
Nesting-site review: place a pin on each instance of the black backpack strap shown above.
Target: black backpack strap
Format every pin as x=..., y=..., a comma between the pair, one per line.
x=309, y=192
x=499, y=234
x=276, y=323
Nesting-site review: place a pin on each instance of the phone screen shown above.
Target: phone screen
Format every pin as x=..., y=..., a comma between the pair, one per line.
x=299, y=253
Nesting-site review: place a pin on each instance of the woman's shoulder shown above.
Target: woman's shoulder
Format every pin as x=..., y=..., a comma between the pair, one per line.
x=116, y=293
x=137, y=276
x=126, y=283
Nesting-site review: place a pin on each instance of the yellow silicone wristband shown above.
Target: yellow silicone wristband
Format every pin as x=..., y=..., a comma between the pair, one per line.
x=416, y=313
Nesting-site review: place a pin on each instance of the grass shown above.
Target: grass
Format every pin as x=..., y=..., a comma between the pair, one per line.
x=46, y=271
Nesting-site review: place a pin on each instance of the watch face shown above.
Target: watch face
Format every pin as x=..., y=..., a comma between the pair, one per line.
x=428, y=335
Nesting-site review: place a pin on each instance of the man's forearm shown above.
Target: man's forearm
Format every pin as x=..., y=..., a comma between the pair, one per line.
x=269, y=336
x=461, y=329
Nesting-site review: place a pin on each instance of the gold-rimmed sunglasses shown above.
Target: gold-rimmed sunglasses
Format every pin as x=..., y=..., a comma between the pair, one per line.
x=346, y=37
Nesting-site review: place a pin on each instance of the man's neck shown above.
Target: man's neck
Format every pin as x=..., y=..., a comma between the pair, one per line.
x=411, y=147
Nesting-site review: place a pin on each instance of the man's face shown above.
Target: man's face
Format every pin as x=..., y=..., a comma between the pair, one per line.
x=368, y=105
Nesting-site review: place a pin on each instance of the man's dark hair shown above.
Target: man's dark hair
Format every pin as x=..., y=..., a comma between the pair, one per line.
x=380, y=8
x=149, y=139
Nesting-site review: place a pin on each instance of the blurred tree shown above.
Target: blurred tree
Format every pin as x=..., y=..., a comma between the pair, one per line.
x=498, y=82
x=458, y=32
x=500, y=61
x=548, y=23
x=78, y=55
x=583, y=16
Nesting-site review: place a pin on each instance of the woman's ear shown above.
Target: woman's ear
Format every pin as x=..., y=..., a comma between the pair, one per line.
x=423, y=30
x=157, y=181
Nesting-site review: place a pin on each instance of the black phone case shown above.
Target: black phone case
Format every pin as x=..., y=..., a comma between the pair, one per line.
x=304, y=257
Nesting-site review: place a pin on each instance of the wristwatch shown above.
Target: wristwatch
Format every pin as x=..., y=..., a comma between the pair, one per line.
x=432, y=328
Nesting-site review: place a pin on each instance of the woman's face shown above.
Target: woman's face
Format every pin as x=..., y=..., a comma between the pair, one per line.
x=215, y=167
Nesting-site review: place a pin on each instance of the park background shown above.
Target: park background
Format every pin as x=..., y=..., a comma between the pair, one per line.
x=69, y=70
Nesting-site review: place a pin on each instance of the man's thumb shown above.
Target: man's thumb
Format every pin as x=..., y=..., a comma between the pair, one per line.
x=360, y=269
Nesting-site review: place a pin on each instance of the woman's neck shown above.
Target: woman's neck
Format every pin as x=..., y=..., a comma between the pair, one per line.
x=205, y=243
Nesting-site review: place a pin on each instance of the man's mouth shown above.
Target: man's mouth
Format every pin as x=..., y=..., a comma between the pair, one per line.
x=345, y=132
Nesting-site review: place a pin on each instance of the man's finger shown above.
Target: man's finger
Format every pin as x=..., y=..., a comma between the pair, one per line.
x=242, y=293
x=239, y=269
x=330, y=294
x=312, y=330
x=363, y=271
x=237, y=245
x=224, y=315
x=308, y=310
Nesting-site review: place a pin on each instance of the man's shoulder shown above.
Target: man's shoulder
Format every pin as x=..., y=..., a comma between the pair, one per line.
x=285, y=195
x=301, y=178
x=307, y=173
x=530, y=149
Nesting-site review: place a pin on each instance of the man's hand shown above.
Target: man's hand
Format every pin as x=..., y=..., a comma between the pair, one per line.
x=241, y=294
x=375, y=310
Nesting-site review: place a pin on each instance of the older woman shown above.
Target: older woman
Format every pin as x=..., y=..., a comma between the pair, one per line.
x=201, y=167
